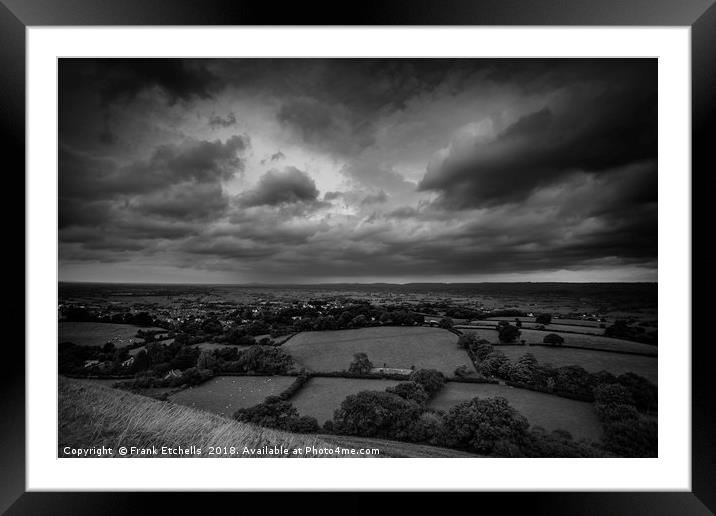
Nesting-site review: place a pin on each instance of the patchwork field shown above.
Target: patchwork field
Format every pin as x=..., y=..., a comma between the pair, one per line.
x=592, y=361
x=570, y=339
x=320, y=397
x=400, y=347
x=571, y=322
x=97, y=334
x=545, y=410
x=225, y=394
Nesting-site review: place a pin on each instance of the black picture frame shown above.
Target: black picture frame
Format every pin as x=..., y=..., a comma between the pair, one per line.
x=700, y=15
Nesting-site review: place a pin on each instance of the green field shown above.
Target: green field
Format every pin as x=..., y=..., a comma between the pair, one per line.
x=570, y=339
x=97, y=334
x=320, y=397
x=223, y=395
x=545, y=410
x=400, y=347
x=592, y=361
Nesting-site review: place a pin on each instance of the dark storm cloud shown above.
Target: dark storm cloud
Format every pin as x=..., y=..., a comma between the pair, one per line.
x=89, y=177
x=186, y=201
x=121, y=80
x=277, y=187
x=332, y=127
x=591, y=127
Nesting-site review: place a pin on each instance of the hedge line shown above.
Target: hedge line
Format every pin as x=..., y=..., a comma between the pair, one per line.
x=538, y=388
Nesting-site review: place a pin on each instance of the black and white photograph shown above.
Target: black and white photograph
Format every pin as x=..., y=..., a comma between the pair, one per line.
x=357, y=257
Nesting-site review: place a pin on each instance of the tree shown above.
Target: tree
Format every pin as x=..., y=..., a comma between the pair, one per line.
x=185, y=358
x=360, y=364
x=483, y=349
x=141, y=361
x=553, y=339
x=212, y=326
x=613, y=394
x=385, y=318
x=359, y=321
x=239, y=337
x=642, y=390
x=276, y=413
x=525, y=369
x=495, y=364
x=376, y=414
x=205, y=361
x=142, y=319
x=257, y=328
x=507, y=333
x=543, y=319
x=575, y=380
x=467, y=341
x=485, y=425
x=445, y=323
x=432, y=380
x=410, y=391
x=263, y=359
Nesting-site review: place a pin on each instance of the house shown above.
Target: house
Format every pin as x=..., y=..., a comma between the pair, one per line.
x=90, y=363
x=128, y=362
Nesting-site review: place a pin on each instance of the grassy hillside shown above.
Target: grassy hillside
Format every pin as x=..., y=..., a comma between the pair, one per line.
x=95, y=416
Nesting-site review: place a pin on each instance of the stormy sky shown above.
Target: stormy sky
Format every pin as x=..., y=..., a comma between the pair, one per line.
x=357, y=170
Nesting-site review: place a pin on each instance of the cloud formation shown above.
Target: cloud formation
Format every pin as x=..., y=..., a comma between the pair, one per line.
x=388, y=169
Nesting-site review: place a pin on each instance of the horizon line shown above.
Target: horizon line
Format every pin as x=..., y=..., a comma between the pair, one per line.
x=361, y=283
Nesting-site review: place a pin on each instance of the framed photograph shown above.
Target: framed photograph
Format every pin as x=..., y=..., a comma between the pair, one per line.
x=444, y=251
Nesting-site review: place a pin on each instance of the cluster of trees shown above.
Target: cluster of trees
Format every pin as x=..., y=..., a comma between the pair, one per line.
x=358, y=316
x=255, y=359
x=147, y=380
x=72, y=359
x=152, y=363
x=277, y=413
x=569, y=381
x=506, y=333
x=623, y=330
x=553, y=339
x=399, y=412
x=627, y=432
x=487, y=426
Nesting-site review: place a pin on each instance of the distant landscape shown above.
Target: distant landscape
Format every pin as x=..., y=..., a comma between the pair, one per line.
x=564, y=366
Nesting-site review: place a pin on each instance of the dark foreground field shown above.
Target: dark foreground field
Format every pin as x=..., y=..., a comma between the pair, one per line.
x=95, y=415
